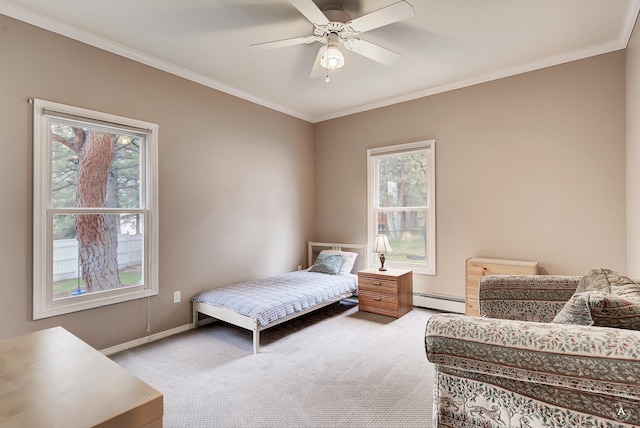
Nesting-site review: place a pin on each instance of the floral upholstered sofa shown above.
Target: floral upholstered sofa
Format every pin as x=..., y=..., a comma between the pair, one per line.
x=515, y=367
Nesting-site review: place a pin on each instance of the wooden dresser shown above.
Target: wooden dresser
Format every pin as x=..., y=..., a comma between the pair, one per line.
x=51, y=378
x=477, y=268
x=387, y=292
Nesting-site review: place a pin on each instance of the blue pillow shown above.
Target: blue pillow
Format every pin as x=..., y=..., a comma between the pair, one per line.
x=330, y=264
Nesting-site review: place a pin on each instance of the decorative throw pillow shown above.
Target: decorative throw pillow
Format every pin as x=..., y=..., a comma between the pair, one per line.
x=349, y=260
x=603, y=298
x=328, y=263
x=575, y=311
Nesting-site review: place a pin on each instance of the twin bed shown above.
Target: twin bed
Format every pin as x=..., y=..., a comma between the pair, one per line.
x=263, y=303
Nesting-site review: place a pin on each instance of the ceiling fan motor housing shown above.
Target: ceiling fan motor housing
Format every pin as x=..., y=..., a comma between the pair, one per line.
x=334, y=13
x=337, y=19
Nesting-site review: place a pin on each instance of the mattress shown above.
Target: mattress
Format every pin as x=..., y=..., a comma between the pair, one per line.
x=271, y=299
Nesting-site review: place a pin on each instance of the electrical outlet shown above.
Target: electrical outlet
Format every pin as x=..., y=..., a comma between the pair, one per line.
x=176, y=297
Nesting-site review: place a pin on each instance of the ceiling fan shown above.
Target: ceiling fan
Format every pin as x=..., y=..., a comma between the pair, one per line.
x=334, y=27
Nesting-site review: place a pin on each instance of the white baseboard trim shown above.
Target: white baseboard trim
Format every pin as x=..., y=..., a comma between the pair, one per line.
x=146, y=339
x=425, y=301
x=441, y=303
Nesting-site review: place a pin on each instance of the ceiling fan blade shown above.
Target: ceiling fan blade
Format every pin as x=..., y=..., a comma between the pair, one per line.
x=318, y=70
x=283, y=43
x=381, y=17
x=372, y=51
x=310, y=11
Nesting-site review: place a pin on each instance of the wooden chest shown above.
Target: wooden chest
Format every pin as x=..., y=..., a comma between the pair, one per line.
x=476, y=268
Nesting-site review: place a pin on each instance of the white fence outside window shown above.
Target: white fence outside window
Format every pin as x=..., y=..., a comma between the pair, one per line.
x=65, y=255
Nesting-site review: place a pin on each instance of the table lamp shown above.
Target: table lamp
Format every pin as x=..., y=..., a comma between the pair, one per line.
x=381, y=246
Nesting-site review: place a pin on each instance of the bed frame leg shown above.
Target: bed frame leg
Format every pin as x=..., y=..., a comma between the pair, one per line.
x=256, y=339
x=195, y=317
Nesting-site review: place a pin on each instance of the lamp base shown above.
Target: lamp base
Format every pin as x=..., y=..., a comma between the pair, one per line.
x=382, y=259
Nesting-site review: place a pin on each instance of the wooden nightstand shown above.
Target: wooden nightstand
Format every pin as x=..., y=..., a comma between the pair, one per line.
x=387, y=292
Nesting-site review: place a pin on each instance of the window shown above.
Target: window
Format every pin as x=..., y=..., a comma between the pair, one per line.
x=401, y=184
x=95, y=220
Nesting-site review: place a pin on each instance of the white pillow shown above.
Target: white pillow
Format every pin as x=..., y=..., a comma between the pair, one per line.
x=349, y=260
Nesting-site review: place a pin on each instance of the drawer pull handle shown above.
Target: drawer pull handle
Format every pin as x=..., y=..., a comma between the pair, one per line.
x=377, y=299
x=377, y=283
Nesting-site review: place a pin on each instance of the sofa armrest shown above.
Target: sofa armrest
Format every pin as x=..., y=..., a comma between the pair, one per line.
x=593, y=359
x=525, y=297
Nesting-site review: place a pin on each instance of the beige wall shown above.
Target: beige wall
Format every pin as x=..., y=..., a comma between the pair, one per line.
x=530, y=167
x=236, y=180
x=633, y=155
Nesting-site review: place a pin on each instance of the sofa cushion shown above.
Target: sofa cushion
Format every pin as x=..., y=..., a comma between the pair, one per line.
x=603, y=298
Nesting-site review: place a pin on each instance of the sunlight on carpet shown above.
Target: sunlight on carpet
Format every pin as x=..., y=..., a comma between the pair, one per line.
x=336, y=367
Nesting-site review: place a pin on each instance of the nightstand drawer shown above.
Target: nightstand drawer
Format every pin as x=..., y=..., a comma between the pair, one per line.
x=378, y=299
x=377, y=285
x=385, y=304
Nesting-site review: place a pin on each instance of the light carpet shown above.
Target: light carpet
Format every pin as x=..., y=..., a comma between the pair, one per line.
x=336, y=367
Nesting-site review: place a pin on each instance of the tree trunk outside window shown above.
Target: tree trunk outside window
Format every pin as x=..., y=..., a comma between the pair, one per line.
x=96, y=233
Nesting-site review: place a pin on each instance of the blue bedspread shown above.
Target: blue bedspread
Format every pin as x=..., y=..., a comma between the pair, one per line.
x=277, y=297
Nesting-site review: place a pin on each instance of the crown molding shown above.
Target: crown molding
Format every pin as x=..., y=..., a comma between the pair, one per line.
x=501, y=74
x=621, y=43
x=21, y=14
x=49, y=24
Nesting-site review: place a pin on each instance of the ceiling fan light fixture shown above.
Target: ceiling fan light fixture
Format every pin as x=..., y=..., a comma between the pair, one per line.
x=331, y=58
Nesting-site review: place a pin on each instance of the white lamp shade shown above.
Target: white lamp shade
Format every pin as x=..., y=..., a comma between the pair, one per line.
x=381, y=245
x=331, y=57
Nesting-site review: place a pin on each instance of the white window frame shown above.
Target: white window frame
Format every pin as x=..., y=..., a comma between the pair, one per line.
x=429, y=146
x=43, y=303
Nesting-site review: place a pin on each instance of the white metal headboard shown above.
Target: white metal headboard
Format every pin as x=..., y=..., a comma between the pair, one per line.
x=361, y=249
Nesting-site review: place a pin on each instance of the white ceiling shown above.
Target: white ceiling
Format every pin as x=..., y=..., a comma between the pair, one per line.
x=448, y=44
